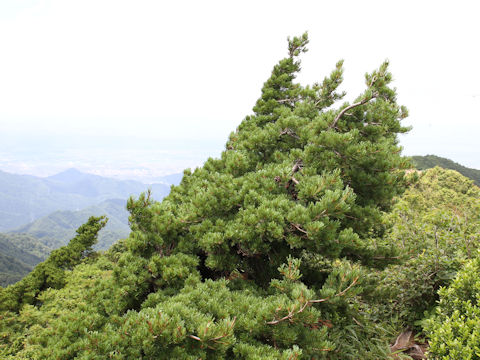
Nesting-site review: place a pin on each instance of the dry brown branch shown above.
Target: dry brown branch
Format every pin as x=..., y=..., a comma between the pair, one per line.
x=299, y=228
x=297, y=166
x=290, y=315
x=348, y=287
x=281, y=101
x=290, y=132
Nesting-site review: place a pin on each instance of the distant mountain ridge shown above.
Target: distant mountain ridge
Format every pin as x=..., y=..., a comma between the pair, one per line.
x=25, y=198
x=430, y=161
x=38, y=215
x=57, y=228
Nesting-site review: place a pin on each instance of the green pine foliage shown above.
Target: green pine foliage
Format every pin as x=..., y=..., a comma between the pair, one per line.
x=261, y=254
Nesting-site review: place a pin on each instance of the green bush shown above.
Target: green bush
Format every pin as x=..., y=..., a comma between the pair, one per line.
x=433, y=230
x=454, y=330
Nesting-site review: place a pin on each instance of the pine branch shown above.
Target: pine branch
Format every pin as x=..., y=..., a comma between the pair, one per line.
x=215, y=339
x=290, y=315
x=350, y=107
x=362, y=102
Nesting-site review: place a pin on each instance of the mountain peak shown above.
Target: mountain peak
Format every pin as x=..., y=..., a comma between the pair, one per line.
x=68, y=175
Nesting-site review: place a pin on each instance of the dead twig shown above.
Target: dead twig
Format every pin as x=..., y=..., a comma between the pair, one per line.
x=299, y=228
x=297, y=166
x=290, y=132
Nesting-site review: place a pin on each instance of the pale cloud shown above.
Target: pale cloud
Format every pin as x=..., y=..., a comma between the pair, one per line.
x=180, y=71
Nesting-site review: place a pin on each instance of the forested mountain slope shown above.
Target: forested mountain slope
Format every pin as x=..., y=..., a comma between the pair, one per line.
x=25, y=198
x=22, y=247
x=15, y=258
x=25, y=247
x=430, y=161
x=27, y=243
x=12, y=270
x=56, y=229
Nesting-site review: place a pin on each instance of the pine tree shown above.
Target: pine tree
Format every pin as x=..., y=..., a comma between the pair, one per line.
x=256, y=255
x=296, y=176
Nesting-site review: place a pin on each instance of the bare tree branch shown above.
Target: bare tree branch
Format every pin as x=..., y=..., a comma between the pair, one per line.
x=298, y=166
x=299, y=228
x=290, y=132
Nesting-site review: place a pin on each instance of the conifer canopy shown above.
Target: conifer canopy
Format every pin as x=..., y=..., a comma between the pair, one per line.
x=255, y=255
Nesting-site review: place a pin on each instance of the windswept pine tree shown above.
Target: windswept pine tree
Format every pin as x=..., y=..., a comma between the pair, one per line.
x=256, y=255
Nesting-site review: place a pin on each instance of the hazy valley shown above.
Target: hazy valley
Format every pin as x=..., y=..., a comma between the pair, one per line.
x=40, y=214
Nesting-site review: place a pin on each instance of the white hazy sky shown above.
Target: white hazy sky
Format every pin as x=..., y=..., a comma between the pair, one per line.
x=173, y=72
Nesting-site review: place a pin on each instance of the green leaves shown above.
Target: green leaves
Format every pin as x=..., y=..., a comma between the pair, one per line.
x=454, y=329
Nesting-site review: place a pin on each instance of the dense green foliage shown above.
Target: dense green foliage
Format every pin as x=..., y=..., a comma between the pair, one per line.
x=430, y=161
x=261, y=254
x=434, y=229
x=390, y=299
x=454, y=330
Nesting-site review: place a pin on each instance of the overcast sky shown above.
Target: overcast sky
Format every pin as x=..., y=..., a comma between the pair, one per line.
x=187, y=72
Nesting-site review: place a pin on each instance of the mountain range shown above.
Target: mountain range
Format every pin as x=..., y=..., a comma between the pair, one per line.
x=25, y=198
x=38, y=214
x=57, y=228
